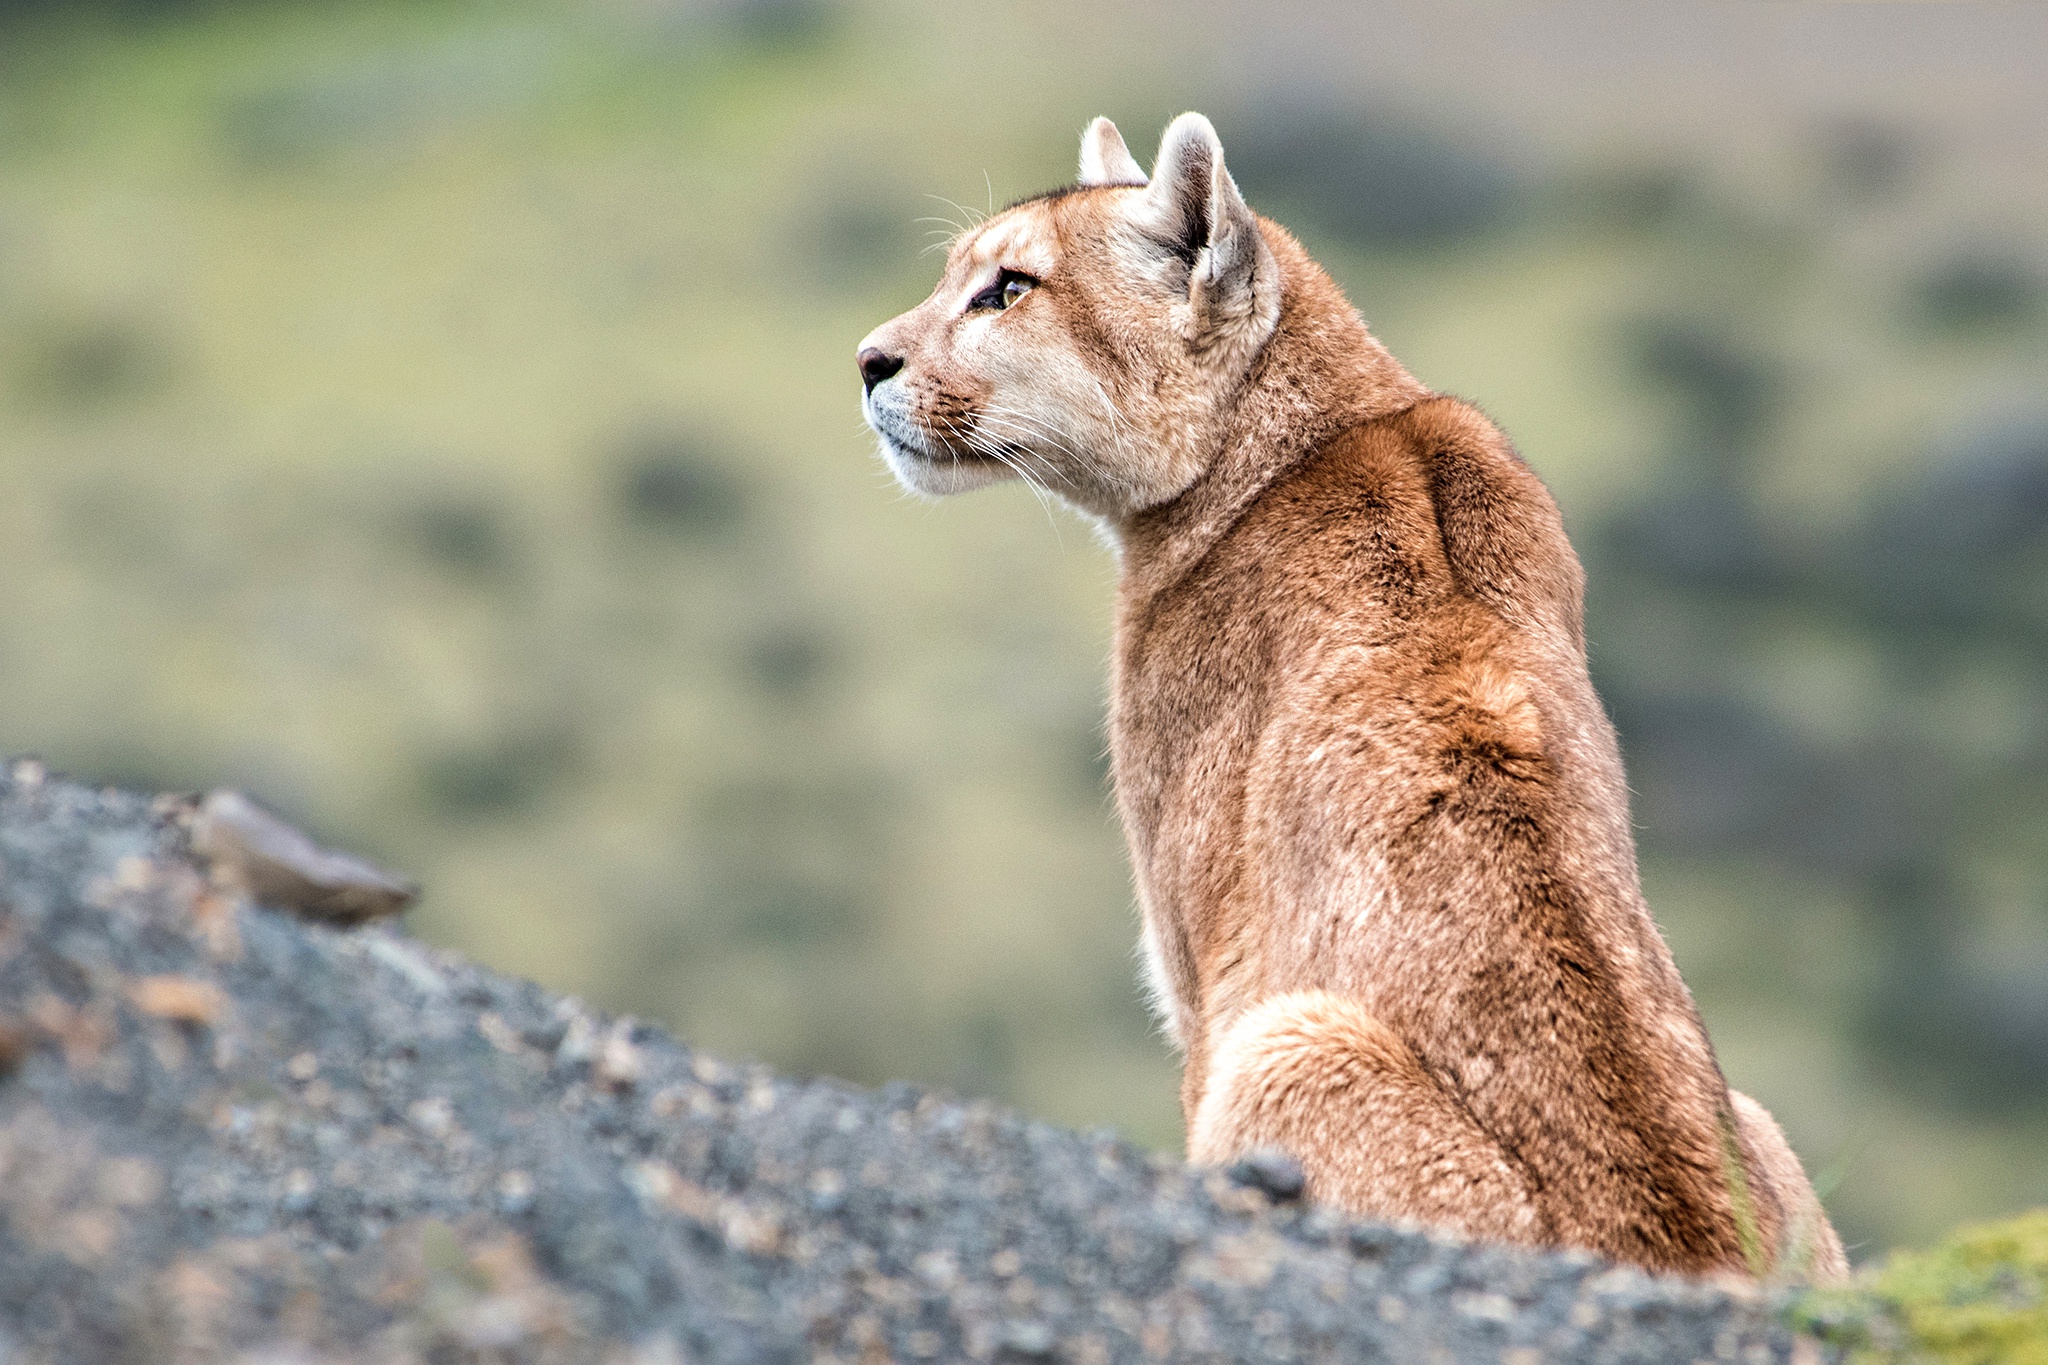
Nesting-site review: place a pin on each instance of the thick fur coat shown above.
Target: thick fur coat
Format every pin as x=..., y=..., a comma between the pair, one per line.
x=1376, y=812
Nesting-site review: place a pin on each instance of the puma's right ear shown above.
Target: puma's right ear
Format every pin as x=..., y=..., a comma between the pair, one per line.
x=1104, y=158
x=1194, y=213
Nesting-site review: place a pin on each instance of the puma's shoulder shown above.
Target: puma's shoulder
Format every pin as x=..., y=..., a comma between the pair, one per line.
x=1429, y=501
x=1501, y=531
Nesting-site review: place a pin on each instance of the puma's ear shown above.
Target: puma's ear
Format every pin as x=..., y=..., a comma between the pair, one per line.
x=1194, y=211
x=1104, y=158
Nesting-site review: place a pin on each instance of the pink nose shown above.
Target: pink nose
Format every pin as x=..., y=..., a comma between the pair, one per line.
x=876, y=365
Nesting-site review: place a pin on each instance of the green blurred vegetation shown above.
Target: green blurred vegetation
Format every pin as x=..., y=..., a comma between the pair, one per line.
x=439, y=419
x=1979, y=1297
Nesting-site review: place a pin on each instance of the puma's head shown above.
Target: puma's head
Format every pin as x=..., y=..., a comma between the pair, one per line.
x=1091, y=340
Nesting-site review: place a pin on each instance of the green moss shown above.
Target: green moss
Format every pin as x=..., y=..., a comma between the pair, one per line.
x=1980, y=1297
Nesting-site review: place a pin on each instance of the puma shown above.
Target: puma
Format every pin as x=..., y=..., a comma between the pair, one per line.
x=1391, y=910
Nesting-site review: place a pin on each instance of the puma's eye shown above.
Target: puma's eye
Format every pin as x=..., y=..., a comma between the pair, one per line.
x=1009, y=286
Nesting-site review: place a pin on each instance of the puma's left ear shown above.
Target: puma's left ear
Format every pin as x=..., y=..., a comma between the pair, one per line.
x=1104, y=158
x=1193, y=211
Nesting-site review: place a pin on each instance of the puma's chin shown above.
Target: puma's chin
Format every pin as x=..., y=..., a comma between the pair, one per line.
x=921, y=468
x=920, y=463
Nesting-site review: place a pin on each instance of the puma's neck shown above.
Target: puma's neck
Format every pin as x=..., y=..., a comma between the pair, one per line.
x=1321, y=373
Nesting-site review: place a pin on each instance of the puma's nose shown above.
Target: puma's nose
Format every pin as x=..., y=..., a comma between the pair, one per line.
x=876, y=365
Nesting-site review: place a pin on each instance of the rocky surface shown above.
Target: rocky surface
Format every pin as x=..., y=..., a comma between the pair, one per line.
x=229, y=1134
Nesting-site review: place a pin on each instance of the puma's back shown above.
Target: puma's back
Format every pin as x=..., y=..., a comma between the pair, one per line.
x=1377, y=814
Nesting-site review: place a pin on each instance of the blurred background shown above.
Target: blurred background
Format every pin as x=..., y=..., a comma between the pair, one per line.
x=440, y=419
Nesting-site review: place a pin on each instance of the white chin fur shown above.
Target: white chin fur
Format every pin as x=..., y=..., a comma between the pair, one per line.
x=919, y=468
x=936, y=477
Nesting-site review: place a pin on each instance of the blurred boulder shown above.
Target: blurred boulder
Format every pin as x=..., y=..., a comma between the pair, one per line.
x=1977, y=290
x=857, y=232
x=1638, y=198
x=1731, y=390
x=1963, y=547
x=1950, y=560
x=789, y=662
x=797, y=859
x=507, y=774
x=1697, y=535
x=1710, y=775
x=1969, y=1028
x=771, y=22
x=1715, y=776
x=671, y=481
x=383, y=103
x=87, y=360
x=1378, y=179
x=1866, y=162
x=464, y=536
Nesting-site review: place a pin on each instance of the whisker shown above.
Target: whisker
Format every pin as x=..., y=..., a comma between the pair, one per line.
x=1008, y=459
x=1019, y=450
x=975, y=218
x=1116, y=431
x=1033, y=426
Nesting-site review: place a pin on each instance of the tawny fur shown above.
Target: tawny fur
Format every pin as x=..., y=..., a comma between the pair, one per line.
x=1376, y=812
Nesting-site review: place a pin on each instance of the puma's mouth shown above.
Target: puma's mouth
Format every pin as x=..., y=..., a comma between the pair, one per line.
x=923, y=450
x=906, y=440
x=947, y=455
x=896, y=429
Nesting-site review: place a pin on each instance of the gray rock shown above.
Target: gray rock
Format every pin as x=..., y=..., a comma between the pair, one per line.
x=228, y=1133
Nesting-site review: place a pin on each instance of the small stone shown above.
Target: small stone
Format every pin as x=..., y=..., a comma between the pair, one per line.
x=661, y=1350
x=185, y=999
x=500, y=1034
x=1491, y=1307
x=937, y=1268
x=87, y=1235
x=579, y=1042
x=299, y=1189
x=15, y=1043
x=828, y=1191
x=251, y=851
x=515, y=1193
x=1271, y=1171
x=303, y=1067
x=1373, y=1241
x=618, y=1063
x=130, y=1182
x=433, y=1116
x=1029, y=1338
